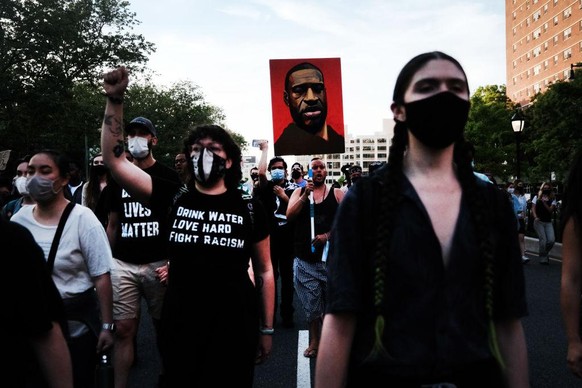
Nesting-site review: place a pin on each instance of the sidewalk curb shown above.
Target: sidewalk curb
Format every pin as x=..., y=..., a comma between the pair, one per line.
x=531, y=248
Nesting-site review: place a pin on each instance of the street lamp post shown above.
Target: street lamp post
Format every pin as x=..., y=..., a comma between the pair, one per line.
x=517, y=123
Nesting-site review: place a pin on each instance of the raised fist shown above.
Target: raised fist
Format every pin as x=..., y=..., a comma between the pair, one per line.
x=115, y=82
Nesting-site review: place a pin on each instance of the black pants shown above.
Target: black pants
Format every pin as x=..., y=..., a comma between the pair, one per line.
x=84, y=356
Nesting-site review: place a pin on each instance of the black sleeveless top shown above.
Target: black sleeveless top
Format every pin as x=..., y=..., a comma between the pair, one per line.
x=324, y=213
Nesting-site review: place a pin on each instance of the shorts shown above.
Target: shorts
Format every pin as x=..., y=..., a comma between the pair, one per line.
x=310, y=280
x=130, y=283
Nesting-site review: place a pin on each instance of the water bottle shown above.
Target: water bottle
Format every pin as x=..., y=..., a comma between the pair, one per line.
x=104, y=372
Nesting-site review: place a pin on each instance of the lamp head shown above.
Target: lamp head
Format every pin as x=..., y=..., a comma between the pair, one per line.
x=517, y=121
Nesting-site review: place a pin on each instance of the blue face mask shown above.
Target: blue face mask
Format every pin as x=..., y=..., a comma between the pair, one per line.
x=277, y=174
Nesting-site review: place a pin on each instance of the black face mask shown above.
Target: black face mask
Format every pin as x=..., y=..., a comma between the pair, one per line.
x=255, y=177
x=437, y=121
x=99, y=169
x=295, y=174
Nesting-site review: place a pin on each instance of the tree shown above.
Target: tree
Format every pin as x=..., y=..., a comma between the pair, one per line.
x=554, y=132
x=173, y=110
x=49, y=48
x=489, y=130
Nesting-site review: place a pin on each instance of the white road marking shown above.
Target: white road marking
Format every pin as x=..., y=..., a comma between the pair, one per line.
x=303, y=364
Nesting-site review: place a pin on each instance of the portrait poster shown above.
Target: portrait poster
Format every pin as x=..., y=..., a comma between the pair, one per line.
x=288, y=136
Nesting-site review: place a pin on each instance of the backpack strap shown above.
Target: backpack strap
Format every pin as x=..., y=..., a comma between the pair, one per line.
x=58, y=233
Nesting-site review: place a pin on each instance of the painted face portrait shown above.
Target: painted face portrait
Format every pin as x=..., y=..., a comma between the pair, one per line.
x=306, y=99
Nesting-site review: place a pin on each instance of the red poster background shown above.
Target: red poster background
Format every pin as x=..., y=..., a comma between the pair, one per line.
x=332, y=78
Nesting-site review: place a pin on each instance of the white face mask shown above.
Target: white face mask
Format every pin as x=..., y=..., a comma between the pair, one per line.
x=138, y=147
x=20, y=184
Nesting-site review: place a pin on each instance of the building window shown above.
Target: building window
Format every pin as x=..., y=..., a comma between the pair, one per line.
x=556, y=40
x=567, y=53
x=545, y=46
x=567, y=12
x=537, y=15
x=567, y=33
x=546, y=64
x=555, y=59
x=537, y=69
x=546, y=8
x=545, y=26
x=536, y=34
x=537, y=51
x=555, y=20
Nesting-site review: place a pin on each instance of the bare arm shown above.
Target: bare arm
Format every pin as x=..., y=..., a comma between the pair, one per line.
x=514, y=352
x=337, y=335
x=570, y=291
x=298, y=200
x=54, y=358
x=264, y=147
x=105, y=295
x=265, y=280
x=129, y=176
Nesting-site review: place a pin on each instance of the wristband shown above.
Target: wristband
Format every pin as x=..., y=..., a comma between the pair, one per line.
x=267, y=331
x=109, y=327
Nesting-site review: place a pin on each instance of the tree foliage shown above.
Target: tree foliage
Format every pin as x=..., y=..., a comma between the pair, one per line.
x=49, y=47
x=489, y=130
x=54, y=53
x=173, y=110
x=554, y=134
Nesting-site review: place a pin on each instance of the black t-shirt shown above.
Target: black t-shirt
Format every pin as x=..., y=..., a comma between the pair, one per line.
x=141, y=237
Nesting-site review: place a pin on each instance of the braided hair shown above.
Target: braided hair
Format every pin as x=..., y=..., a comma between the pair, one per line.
x=391, y=192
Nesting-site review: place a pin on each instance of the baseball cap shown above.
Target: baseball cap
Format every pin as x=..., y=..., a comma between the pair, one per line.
x=144, y=123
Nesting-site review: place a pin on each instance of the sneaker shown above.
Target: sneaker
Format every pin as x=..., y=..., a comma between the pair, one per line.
x=524, y=259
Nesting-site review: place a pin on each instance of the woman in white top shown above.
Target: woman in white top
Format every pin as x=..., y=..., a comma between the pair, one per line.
x=82, y=262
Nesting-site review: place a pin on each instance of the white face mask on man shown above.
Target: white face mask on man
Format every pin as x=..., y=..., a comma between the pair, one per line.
x=20, y=184
x=138, y=147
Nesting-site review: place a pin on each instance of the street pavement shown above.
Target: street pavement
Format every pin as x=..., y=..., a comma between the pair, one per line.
x=543, y=326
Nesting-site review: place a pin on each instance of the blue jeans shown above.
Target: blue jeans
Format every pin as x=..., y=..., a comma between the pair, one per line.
x=545, y=231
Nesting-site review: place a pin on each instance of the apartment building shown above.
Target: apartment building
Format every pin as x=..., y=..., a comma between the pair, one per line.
x=543, y=40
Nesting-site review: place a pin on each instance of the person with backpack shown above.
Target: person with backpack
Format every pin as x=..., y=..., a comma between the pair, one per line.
x=79, y=260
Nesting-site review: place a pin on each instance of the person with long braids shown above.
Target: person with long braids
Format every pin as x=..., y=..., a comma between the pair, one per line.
x=571, y=283
x=425, y=281
x=213, y=232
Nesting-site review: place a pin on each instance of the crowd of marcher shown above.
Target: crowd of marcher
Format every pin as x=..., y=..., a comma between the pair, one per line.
x=409, y=275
